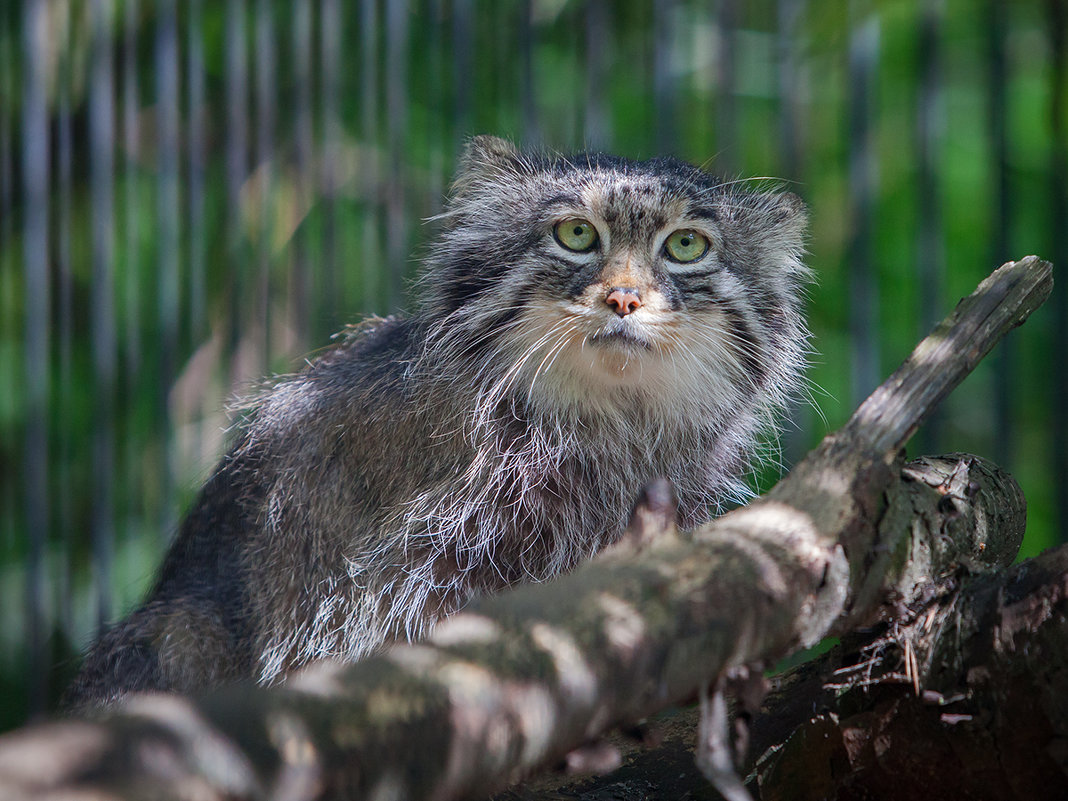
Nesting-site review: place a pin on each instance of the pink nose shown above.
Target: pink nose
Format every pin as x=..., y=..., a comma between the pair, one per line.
x=623, y=301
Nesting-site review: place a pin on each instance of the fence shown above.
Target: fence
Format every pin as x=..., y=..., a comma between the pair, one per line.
x=195, y=194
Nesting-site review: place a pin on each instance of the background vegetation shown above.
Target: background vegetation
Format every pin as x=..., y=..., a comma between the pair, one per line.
x=196, y=194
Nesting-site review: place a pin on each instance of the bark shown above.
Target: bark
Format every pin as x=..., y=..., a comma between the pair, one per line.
x=964, y=696
x=959, y=692
x=520, y=679
x=972, y=515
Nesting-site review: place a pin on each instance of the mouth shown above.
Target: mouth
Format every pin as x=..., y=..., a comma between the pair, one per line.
x=620, y=337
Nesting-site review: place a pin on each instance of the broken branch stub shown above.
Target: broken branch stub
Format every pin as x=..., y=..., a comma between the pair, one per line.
x=839, y=486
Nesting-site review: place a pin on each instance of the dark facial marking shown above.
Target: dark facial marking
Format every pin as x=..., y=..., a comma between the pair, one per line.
x=744, y=342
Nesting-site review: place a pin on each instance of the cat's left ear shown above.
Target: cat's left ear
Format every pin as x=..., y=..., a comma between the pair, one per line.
x=484, y=158
x=778, y=222
x=787, y=212
x=782, y=218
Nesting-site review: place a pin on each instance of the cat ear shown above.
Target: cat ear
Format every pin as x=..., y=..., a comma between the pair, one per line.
x=782, y=220
x=484, y=157
x=488, y=150
x=787, y=215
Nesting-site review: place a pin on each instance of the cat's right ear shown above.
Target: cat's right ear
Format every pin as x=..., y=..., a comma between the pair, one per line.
x=484, y=158
x=488, y=150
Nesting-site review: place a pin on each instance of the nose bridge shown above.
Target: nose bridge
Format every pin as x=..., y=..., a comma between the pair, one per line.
x=626, y=280
x=626, y=269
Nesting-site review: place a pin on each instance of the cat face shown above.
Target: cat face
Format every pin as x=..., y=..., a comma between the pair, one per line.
x=594, y=274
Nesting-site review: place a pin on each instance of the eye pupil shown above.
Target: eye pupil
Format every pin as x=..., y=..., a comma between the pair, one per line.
x=576, y=234
x=684, y=247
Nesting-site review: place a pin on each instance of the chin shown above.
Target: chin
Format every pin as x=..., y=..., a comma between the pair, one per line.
x=594, y=369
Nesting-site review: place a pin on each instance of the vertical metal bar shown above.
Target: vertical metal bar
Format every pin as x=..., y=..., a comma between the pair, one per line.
x=463, y=50
x=7, y=165
x=396, y=125
x=167, y=223
x=1057, y=26
x=132, y=289
x=196, y=168
x=265, y=88
x=788, y=72
x=440, y=139
x=928, y=133
x=330, y=53
x=930, y=258
x=14, y=485
x=134, y=387
x=598, y=130
x=728, y=159
x=527, y=96
x=789, y=13
x=236, y=81
x=863, y=290
x=102, y=297
x=664, y=95
x=35, y=179
x=65, y=291
x=300, y=293
x=13, y=498
x=369, y=122
x=132, y=208
x=1004, y=373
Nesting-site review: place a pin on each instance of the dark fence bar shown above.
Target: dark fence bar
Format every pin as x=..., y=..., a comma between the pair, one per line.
x=527, y=88
x=63, y=507
x=169, y=253
x=1000, y=218
x=726, y=129
x=131, y=143
x=196, y=167
x=464, y=53
x=1057, y=27
x=266, y=81
x=102, y=309
x=397, y=54
x=791, y=89
x=597, y=122
x=236, y=135
x=790, y=86
x=35, y=178
x=930, y=258
x=369, y=127
x=863, y=283
x=14, y=493
x=664, y=89
x=330, y=53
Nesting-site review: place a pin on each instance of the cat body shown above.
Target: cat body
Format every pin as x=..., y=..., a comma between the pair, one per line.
x=583, y=326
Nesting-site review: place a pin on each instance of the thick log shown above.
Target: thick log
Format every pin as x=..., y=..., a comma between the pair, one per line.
x=962, y=697
x=965, y=518
x=520, y=679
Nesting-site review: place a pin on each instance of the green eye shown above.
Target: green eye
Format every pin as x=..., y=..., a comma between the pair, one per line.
x=686, y=246
x=576, y=234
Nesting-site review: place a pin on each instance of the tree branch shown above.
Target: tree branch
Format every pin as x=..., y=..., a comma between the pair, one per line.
x=965, y=518
x=962, y=696
x=521, y=678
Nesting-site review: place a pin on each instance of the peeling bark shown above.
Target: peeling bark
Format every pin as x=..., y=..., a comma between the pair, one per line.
x=966, y=696
x=522, y=678
x=965, y=519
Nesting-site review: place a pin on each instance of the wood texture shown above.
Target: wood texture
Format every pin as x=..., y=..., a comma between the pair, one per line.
x=520, y=679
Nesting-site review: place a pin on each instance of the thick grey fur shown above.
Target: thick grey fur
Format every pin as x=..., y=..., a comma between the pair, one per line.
x=498, y=434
